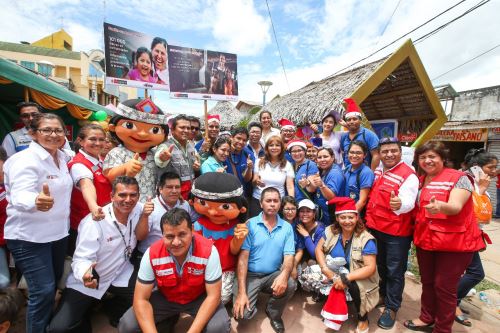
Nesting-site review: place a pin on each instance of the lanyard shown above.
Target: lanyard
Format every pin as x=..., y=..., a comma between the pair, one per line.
x=163, y=203
x=128, y=248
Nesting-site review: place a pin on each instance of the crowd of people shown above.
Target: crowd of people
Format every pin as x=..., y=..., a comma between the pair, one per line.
x=128, y=223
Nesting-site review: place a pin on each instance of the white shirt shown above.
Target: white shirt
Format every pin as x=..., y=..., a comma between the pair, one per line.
x=101, y=243
x=407, y=192
x=155, y=218
x=8, y=142
x=264, y=138
x=80, y=171
x=272, y=177
x=25, y=173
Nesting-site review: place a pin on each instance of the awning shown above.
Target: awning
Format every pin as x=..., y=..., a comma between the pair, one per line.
x=50, y=95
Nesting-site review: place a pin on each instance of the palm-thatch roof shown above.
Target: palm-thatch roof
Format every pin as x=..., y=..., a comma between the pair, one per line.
x=394, y=87
x=229, y=115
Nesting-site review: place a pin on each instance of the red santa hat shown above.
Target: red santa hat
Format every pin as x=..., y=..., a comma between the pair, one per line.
x=352, y=109
x=343, y=205
x=285, y=123
x=214, y=118
x=294, y=143
x=335, y=310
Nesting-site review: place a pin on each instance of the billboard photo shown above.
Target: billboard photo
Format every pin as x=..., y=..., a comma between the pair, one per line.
x=135, y=59
x=202, y=74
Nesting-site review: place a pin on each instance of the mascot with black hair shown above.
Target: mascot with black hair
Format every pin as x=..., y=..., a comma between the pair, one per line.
x=218, y=198
x=138, y=125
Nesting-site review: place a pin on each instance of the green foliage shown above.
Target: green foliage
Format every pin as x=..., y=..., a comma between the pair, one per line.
x=243, y=122
x=254, y=110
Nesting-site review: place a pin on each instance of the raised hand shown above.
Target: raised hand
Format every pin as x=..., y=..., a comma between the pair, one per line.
x=44, y=201
x=133, y=166
x=196, y=163
x=249, y=163
x=166, y=154
x=241, y=231
x=148, y=207
x=434, y=206
x=97, y=213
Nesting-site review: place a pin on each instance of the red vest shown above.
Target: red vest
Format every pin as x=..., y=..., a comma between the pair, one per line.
x=79, y=208
x=440, y=232
x=379, y=215
x=191, y=285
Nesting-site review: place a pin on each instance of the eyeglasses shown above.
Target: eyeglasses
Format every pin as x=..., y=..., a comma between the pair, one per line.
x=194, y=128
x=48, y=131
x=356, y=153
x=289, y=209
x=29, y=115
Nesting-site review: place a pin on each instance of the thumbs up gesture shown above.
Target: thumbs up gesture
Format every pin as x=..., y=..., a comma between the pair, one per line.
x=44, y=201
x=249, y=163
x=166, y=154
x=434, y=206
x=148, y=207
x=241, y=230
x=133, y=166
x=196, y=163
x=394, y=201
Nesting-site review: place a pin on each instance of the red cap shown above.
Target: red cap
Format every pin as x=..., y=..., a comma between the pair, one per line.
x=352, y=109
x=213, y=117
x=343, y=205
x=296, y=142
x=286, y=123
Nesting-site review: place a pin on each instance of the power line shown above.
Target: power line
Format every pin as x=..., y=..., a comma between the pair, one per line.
x=399, y=38
x=278, y=46
x=388, y=21
x=465, y=63
x=435, y=31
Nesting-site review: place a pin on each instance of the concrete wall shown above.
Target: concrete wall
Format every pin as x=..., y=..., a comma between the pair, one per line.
x=478, y=104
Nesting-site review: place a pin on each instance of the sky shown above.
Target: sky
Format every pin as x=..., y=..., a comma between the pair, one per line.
x=316, y=37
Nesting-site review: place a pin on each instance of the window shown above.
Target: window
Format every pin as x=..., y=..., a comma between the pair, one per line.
x=45, y=69
x=28, y=65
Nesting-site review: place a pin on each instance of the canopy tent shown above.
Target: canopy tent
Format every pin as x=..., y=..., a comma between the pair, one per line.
x=18, y=83
x=396, y=87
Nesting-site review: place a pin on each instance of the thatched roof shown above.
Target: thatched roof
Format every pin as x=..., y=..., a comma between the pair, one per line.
x=229, y=115
x=312, y=102
x=395, y=87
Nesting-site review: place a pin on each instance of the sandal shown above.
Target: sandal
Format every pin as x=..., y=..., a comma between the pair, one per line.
x=464, y=320
x=420, y=328
x=363, y=331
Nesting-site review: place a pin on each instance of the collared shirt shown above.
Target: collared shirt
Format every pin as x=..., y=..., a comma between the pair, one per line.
x=213, y=270
x=255, y=155
x=333, y=141
x=154, y=220
x=146, y=177
x=268, y=248
x=335, y=181
x=102, y=243
x=212, y=165
x=365, y=135
x=25, y=173
x=23, y=139
x=306, y=169
x=339, y=250
x=272, y=176
x=352, y=188
x=238, y=161
x=265, y=137
x=181, y=161
x=407, y=192
x=80, y=171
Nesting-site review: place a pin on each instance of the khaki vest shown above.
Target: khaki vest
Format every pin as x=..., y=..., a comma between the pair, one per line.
x=368, y=288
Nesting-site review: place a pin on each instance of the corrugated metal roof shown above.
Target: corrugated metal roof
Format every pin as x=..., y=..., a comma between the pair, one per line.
x=460, y=125
x=43, y=51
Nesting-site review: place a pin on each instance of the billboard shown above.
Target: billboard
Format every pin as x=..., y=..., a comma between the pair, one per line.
x=202, y=74
x=135, y=59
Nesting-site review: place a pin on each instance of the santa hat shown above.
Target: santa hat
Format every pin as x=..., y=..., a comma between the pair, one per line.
x=343, y=205
x=335, y=310
x=352, y=109
x=285, y=123
x=294, y=143
x=214, y=118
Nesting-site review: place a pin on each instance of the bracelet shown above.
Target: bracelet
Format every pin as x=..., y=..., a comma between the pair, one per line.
x=343, y=278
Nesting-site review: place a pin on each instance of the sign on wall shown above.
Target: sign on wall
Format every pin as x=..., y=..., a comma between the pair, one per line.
x=464, y=135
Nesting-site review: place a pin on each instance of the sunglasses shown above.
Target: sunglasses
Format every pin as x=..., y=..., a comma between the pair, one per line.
x=388, y=139
x=194, y=128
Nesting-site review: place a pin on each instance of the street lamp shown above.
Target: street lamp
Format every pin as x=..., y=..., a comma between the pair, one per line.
x=264, y=85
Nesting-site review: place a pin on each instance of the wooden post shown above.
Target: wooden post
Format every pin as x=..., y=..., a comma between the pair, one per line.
x=26, y=94
x=145, y=93
x=205, y=105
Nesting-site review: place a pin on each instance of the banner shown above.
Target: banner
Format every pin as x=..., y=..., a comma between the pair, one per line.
x=464, y=135
x=135, y=59
x=202, y=74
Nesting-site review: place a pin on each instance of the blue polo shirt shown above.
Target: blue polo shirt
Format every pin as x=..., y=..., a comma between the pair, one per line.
x=306, y=169
x=239, y=162
x=335, y=181
x=365, y=135
x=211, y=165
x=249, y=150
x=267, y=249
x=339, y=251
x=352, y=186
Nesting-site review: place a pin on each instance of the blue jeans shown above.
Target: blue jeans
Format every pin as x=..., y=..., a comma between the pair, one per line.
x=42, y=265
x=4, y=268
x=473, y=275
x=392, y=260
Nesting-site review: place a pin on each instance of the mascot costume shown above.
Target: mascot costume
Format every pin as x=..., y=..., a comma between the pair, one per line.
x=218, y=198
x=138, y=125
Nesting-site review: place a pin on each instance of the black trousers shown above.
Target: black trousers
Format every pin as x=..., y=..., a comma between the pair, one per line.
x=356, y=298
x=72, y=313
